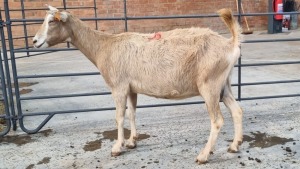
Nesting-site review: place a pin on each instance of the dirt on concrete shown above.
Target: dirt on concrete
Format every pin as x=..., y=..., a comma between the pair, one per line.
x=92, y=145
x=45, y=160
x=2, y=120
x=23, y=139
x=46, y=132
x=23, y=85
x=18, y=140
x=30, y=166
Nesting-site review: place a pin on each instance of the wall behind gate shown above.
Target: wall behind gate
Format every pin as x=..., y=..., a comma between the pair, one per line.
x=115, y=8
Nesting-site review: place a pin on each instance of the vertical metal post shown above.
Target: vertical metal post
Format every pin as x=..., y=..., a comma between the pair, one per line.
x=95, y=10
x=125, y=15
x=24, y=27
x=270, y=17
x=13, y=65
x=3, y=80
x=240, y=59
x=65, y=7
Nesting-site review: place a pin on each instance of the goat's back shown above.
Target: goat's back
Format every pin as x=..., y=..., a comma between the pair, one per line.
x=172, y=66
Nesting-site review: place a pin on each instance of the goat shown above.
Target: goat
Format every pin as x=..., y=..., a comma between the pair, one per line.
x=178, y=64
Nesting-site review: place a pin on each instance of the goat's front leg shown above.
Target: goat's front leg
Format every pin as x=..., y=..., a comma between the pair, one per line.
x=120, y=102
x=217, y=121
x=132, y=100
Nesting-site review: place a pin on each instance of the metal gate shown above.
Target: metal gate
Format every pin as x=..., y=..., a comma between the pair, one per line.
x=12, y=100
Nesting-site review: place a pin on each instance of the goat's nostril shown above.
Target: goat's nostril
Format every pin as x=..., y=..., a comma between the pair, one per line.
x=34, y=41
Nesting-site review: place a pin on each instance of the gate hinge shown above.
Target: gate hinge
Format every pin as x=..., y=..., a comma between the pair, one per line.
x=2, y=23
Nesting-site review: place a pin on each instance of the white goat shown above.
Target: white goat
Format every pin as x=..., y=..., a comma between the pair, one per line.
x=177, y=64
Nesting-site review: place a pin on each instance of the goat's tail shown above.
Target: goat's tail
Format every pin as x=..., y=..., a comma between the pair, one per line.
x=232, y=24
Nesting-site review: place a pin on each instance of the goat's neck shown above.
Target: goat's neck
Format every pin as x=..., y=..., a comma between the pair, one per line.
x=84, y=38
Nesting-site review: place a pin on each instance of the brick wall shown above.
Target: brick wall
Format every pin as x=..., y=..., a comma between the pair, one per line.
x=115, y=8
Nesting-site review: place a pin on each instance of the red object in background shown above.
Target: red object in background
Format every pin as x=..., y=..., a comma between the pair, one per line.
x=286, y=23
x=278, y=8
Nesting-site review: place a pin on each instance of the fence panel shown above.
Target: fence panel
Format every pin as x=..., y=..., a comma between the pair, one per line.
x=14, y=101
x=5, y=115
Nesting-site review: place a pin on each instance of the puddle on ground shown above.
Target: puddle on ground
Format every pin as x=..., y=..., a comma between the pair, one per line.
x=45, y=160
x=262, y=140
x=46, y=133
x=113, y=135
x=92, y=145
x=19, y=140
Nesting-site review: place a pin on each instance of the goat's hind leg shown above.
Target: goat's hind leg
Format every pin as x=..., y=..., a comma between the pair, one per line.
x=132, y=101
x=237, y=115
x=120, y=102
x=216, y=120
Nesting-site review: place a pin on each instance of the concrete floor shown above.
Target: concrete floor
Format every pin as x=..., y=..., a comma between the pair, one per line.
x=171, y=137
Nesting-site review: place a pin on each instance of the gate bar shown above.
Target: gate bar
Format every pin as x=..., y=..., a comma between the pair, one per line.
x=24, y=27
x=58, y=75
x=4, y=92
x=8, y=79
x=95, y=12
x=125, y=15
x=108, y=93
x=163, y=17
x=42, y=9
x=13, y=65
x=240, y=58
x=65, y=7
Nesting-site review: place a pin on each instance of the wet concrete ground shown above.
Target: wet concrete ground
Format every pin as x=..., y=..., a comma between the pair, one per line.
x=170, y=137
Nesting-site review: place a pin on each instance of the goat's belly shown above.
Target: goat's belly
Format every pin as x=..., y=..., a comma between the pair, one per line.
x=173, y=95
x=166, y=92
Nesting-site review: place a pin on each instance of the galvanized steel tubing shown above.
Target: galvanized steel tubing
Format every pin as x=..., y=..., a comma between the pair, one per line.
x=125, y=18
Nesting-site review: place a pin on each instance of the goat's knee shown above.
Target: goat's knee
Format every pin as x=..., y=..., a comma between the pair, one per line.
x=218, y=123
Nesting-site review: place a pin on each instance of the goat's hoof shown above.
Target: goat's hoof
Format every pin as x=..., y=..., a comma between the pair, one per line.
x=115, y=154
x=234, y=148
x=201, y=161
x=230, y=150
x=131, y=143
x=131, y=146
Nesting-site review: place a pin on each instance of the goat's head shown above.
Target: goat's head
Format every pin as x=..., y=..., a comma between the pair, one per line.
x=52, y=30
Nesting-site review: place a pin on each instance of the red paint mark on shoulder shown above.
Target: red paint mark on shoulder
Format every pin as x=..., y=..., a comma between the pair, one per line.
x=156, y=36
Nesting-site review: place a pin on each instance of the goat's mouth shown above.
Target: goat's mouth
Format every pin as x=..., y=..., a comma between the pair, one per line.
x=40, y=45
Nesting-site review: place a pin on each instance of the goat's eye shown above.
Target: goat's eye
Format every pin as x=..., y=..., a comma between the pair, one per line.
x=50, y=21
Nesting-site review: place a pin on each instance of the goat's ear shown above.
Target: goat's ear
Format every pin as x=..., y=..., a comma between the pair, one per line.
x=63, y=16
x=51, y=8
